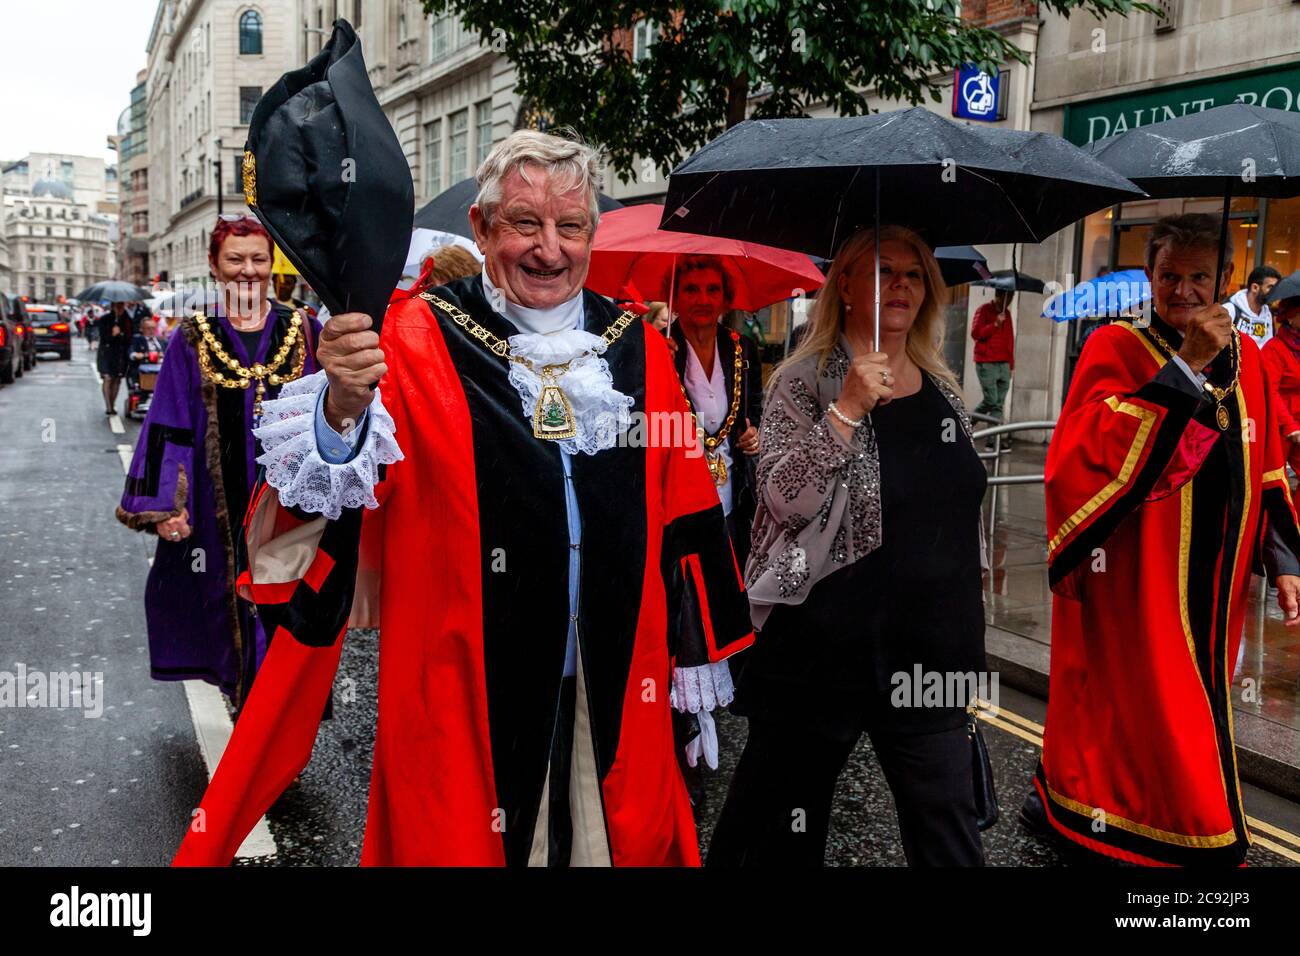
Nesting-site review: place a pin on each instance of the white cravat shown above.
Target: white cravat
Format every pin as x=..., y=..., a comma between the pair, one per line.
x=561, y=318
x=711, y=402
x=554, y=337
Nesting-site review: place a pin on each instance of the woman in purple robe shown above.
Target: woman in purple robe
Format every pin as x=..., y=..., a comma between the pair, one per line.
x=196, y=460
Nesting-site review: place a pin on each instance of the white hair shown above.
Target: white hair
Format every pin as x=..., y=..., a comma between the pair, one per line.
x=569, y=161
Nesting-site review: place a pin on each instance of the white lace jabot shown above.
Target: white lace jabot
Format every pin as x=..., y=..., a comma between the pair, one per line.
x=553, y=337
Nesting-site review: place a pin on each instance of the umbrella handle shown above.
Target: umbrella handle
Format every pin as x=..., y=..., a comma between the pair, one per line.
x=1223, y=239
x=875, y=328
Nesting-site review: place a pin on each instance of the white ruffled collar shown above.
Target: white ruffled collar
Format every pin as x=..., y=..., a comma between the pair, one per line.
x=553, y=337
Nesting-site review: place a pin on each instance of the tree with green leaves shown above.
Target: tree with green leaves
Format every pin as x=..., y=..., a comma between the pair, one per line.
x=713, y=63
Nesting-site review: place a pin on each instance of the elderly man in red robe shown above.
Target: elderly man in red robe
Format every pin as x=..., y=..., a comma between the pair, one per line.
x=513, y=552
x=1165, y=486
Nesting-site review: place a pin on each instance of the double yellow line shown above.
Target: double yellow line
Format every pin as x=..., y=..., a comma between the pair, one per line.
x=1026, y=729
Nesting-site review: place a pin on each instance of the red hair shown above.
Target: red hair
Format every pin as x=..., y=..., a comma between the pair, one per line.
x=248, y=226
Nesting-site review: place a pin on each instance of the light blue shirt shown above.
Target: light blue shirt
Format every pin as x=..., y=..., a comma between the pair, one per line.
x=337, y=449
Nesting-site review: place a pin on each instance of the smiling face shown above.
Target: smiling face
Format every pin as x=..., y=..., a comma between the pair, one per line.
x=700, y=297
x=538, y=245
x=902, y=287
x=1182, y=282
x=242, y=269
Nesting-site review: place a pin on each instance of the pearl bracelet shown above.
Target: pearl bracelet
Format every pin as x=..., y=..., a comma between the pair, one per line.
x=845, y=418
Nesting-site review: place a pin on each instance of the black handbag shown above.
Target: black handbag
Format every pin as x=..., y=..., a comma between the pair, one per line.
x=986, y=798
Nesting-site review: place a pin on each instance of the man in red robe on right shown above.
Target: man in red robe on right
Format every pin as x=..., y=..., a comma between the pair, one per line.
x=1165, y=486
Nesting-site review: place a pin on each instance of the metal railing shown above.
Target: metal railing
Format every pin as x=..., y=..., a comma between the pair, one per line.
x=997, y=479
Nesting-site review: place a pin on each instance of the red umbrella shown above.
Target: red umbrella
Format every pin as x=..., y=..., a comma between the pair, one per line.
x=632, y=258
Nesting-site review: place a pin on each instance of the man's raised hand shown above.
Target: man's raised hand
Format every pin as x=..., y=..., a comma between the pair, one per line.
x=353, y=361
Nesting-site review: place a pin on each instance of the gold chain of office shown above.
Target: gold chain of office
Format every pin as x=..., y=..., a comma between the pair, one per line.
x=553, y=418
x=1221, y=417
x=279, y=370
x=717, y=465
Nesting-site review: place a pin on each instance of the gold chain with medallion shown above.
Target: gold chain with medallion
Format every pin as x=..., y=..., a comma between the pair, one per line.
x=717, y=464
x=279, y=370
x=1221, y=417
x=553, y=417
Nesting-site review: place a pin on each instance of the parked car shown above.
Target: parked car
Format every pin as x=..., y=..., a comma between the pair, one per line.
x=51, y=330
x=11, y=344
x=25, y=333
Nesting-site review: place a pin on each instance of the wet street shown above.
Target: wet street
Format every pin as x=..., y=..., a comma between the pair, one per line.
x=111, y=777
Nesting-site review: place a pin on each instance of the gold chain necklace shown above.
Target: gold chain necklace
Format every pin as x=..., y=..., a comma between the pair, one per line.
x=717, y=465
x=272, y=372
x=553, y=417
x=1221, y=417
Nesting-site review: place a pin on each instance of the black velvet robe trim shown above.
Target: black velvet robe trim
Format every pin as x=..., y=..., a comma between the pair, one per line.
x=525, y=558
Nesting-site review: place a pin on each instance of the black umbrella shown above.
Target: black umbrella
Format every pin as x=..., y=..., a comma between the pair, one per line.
x=1232, y=150
x=112, y=290
x=808, y=184
x=961, y=264
x=449, y=210
x=1288, y=288
x=1011, y=280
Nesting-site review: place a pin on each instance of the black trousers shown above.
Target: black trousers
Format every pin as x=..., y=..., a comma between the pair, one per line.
x=778, y=809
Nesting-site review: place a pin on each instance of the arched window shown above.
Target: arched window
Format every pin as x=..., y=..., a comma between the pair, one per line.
x=250, y=32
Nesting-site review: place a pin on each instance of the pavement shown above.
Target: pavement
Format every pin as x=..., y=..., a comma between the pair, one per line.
x=118, y=788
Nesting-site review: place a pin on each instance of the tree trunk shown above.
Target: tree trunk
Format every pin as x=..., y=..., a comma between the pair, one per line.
x=737, y=99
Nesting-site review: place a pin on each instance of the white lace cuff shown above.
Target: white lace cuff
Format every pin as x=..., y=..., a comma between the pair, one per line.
x=701, y=689
x=293, y=463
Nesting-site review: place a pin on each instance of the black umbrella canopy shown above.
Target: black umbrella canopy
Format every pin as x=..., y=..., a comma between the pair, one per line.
x=1009, y=280
x=961, y=264
x=808, y=184
x=449, y=210
x=1251, y=150
x=1288, y=288
x=113, y=291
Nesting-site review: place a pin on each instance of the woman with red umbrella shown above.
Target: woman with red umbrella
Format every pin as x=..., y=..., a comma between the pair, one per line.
x=722, y=379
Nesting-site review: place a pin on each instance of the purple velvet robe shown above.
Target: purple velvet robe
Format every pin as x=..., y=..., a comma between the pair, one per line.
x=198, y=628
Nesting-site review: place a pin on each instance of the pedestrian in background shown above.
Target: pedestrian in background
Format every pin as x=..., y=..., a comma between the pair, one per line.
x=1281, y=357
x=721, y=377
x=1248, y=308
x=865, y=462
x=196, y=460
x=995, y=356
x=115, y=329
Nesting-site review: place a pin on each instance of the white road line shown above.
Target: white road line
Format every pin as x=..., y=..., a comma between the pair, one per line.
x=115, y=423
x=212, y=726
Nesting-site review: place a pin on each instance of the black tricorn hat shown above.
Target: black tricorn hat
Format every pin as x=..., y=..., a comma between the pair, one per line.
x=326, y=175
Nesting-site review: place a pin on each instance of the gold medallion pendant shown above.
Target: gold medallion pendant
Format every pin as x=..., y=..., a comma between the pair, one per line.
x=717, y=467
x=1221, y=418
x=553, y=416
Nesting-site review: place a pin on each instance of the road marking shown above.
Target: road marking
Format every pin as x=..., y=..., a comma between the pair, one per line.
x=1277, y=848
x=212, y=726
x=115, y=423
x=986, y=714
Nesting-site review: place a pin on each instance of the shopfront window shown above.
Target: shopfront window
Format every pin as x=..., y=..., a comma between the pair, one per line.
x=1281, y=246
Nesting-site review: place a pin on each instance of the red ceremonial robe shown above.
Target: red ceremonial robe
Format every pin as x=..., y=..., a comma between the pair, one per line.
x=1154, y=515
x=464, y=567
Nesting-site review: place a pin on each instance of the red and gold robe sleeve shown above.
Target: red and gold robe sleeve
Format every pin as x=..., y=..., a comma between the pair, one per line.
x=1125, y=436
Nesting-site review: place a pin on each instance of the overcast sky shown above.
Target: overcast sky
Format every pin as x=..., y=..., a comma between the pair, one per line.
x=66, y=72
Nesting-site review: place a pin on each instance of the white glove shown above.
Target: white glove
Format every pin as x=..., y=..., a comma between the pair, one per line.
x=700, y=689
x=705, y=742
